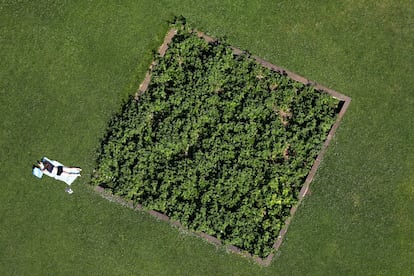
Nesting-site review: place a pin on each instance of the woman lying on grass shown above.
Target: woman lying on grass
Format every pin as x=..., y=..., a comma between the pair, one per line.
x=56, y=170
x=46, y=166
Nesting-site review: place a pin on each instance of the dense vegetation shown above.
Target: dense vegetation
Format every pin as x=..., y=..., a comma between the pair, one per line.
x=218, y=142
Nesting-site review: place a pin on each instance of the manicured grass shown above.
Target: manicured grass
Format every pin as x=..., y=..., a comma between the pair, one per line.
x=67, y=67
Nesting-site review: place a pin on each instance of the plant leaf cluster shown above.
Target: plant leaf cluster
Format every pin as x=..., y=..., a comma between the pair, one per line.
x=217, y=142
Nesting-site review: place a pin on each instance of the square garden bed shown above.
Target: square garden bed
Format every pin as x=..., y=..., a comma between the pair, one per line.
x=220, y=141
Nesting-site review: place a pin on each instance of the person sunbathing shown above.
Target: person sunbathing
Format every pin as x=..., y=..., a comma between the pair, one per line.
x=45, y=165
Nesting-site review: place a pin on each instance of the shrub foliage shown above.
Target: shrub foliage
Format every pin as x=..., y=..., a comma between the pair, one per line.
x=217, y=142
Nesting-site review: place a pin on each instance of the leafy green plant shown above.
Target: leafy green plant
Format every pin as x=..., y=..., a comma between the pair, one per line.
x=217, y=141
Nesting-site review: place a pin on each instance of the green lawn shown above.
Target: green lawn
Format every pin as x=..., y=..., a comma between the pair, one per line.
x=66, y=67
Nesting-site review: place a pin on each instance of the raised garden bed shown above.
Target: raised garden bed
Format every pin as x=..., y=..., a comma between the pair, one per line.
x=220, y=141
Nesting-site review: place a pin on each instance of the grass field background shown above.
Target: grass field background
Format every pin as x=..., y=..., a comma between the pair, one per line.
x=67, y=66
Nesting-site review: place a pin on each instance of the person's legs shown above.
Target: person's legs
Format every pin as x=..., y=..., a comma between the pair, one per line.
x=72, y=170
x=68, y=174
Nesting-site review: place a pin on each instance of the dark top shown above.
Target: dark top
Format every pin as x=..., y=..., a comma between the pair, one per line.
x=48, y=166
